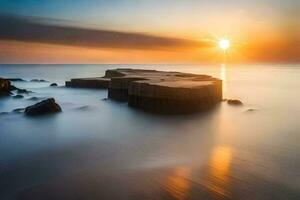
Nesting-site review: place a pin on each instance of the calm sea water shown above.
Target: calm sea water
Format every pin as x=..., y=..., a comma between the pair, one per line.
x=101, y=149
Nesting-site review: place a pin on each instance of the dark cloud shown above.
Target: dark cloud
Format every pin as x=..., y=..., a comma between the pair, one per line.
x=50, y=31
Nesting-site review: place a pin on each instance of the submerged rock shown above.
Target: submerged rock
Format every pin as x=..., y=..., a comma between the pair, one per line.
x=4, y=113
x=5, y=87
x=13, y=88
x=18, y=96
x=53, y=85
x=18, y=110
x=251, y=110
x=44, y=107
x=38, y=80
x=35, y=98
x=84, y=108
x=234, y=102
x=19, y=90
x=16, y=79
x=22, y=91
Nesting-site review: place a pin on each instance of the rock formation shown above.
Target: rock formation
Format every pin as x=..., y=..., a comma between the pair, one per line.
x=35, y=98
x=157, y=91
x=44, y=107
x=18, y=96
x=234, y=102
x=38, y=80
x=18, y=110
x=22, y=91
x=101, y=83
x=5, y=87
x=16, y=79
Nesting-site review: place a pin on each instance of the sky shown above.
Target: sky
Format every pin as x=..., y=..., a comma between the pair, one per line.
x=149, y=31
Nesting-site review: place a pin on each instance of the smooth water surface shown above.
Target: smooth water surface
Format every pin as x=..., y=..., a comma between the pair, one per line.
x=101, y=149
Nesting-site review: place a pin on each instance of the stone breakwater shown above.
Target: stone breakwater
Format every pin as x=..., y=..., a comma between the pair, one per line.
x=157, y=91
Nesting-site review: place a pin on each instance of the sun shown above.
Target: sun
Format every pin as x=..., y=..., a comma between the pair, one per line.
x=224, y=44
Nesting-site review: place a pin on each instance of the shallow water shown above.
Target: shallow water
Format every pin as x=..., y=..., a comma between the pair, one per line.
x=101, y=149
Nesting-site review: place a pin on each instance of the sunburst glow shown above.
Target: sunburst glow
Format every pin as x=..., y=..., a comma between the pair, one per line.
x=224, y=44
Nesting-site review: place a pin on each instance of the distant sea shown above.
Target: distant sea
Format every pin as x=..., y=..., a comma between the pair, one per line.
x=102, y=149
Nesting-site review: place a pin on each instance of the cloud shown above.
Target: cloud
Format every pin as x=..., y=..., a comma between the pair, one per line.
x=41, y=30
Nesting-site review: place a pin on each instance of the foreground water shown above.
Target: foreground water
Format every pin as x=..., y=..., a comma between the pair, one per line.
x=101, y=149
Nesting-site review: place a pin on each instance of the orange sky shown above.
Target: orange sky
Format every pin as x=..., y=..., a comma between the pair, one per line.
x=171, y=32
x=258, y=50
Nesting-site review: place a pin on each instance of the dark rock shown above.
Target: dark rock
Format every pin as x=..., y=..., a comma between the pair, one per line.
x=38, y=80
x=34, y=98
x=12, y=88
x=23, y=91
x=19, y=90
x=16, y=79
x=100, y=83
x=53, y=84
x=234, y=102
x=44, y=107
x=18, y=110
x=18, y=96
x=5, y=87
x=4, y=113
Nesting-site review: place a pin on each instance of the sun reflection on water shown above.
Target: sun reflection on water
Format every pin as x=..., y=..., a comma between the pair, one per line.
x=220, y=170
x=223, y=75
x=177, y=184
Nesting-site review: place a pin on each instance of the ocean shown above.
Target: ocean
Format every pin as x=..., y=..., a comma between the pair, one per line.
x=102, y=149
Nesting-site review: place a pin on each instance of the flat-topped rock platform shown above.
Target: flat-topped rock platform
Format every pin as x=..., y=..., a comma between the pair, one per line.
x=157, y=91
x=89, y=82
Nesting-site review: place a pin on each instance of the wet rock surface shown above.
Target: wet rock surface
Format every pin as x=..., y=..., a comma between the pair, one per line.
x=157, y=91
x=53, y=85
x=47, y=106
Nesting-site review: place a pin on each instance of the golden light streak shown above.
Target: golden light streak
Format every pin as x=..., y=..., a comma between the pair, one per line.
x=177, y=184
x=220, y=169
x=223, y=75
